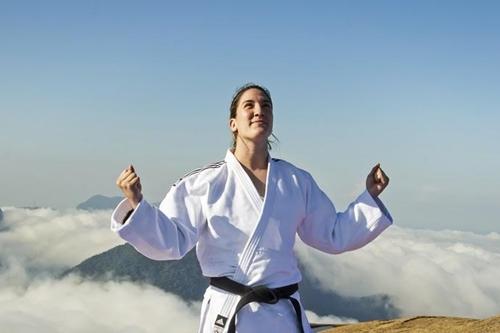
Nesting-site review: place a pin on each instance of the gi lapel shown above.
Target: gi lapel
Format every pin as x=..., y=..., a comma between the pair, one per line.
x=263, y=209
x=245, y=181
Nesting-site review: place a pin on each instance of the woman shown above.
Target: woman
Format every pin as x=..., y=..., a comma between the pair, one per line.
x=243, y=214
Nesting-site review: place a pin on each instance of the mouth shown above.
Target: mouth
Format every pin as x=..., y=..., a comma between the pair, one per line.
x=261, y=122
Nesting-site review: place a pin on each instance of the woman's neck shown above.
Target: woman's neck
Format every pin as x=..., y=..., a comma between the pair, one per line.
x=252, y=156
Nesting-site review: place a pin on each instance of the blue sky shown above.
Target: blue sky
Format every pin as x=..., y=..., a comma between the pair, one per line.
x=88, y=87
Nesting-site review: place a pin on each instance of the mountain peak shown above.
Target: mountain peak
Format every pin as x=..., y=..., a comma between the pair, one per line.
x=184, y=278
x=99, y=201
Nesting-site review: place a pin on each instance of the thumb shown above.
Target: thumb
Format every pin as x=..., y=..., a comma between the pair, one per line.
x=374, y=169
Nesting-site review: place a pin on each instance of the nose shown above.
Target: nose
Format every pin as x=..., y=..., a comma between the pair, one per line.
x=258, y=110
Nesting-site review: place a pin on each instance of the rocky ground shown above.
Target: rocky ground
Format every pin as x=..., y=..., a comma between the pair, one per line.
x=422, y=324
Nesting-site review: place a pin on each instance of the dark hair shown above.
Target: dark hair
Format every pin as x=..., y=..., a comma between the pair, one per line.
x=236, y=100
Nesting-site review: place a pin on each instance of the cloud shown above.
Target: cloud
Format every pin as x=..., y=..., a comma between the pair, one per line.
x=50, y=240
x=425, y=272
x=73, y=305
x=40, y=244
x=331, y=319
x=447, y=272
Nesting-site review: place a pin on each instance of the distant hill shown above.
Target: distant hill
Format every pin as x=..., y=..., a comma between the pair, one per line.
x=2, y=224
x=98, y=201
x=184, y=278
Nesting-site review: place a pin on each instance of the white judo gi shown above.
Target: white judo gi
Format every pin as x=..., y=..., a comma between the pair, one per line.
x=246, y=238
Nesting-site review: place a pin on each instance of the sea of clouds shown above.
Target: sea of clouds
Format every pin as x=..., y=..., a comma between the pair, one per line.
x=425, y=272
x=38, y=245
x=449, y=273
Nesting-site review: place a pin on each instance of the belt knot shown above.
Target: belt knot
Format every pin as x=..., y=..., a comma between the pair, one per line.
x=264, y=294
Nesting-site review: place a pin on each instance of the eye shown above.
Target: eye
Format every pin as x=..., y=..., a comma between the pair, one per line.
x=267, y=106
x=248, y=105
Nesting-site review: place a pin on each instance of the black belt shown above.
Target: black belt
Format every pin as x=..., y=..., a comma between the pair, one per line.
x=260, y=294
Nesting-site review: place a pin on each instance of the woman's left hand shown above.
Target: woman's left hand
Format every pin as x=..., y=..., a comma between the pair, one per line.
x=376, y=181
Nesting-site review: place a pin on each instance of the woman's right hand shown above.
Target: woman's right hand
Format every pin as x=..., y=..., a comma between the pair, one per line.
x=130, y=184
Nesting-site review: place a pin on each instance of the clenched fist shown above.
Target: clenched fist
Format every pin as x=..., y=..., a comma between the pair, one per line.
x=376, y=181
x=130, y=184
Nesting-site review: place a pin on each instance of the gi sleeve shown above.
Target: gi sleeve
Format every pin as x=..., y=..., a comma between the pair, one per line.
x=167, y=232
x=335, y=232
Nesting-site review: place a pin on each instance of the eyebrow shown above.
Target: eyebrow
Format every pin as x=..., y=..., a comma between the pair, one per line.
x=266, y=100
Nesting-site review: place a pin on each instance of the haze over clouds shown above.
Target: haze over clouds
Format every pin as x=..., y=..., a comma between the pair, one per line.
x=447, y=272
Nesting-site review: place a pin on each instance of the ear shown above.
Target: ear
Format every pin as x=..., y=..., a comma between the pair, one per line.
x=232, y=125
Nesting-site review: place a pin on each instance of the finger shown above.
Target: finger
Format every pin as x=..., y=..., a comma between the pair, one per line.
x=128, y=185
x=131, y=176
x=122, y=176
x=127, y=176
x=376, y=175
x=373, y=171
x=130, y=167
x=135, y=180
x=377, y=166
x=124, y=172
x=380, y=176
x=128, y=170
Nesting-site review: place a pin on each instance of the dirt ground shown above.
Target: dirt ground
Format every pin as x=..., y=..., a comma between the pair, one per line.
x=423, y=324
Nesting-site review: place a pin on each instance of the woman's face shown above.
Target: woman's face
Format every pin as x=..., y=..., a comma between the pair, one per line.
x=254, y=116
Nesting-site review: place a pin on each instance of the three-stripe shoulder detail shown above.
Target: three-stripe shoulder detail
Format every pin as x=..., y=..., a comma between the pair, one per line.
x=196, y=171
